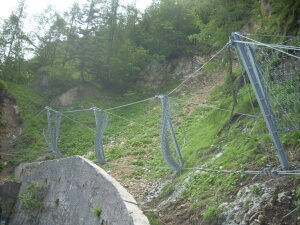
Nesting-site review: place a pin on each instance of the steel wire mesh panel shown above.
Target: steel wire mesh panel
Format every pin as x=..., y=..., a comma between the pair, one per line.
x=101, y=122
x=281, y=79
x=53, y=133
x=166, y=129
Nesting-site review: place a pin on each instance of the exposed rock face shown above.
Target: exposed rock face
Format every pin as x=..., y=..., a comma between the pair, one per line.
x=76, y=188
x=247, y=207
x=73, y=94
x=265, y=7
x=10, y=129
x=8, y=195
x=153, y=75
x=262, y=203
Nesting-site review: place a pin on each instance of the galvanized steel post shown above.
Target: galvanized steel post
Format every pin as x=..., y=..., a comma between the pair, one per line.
x=255, y=77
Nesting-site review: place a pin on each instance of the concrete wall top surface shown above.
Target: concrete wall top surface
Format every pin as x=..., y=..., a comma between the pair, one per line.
x=76, y=186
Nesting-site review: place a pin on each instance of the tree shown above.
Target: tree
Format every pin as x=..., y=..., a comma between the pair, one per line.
x=13, y=41
x=89, y=22
x=71, y=32
x=216, y=20
x=168, y=25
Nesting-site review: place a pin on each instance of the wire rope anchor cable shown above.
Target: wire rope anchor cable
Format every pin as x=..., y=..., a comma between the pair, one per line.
x=101, y=120
x=53, y=132
x=166, y=124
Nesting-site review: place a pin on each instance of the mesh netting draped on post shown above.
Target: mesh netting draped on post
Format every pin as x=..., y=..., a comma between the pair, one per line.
x=281, y=77
x=166, y=125
x=101, y=122
x=53, y=133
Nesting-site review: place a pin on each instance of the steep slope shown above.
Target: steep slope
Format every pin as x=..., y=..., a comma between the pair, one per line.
x=10, y=130
x=211, y=135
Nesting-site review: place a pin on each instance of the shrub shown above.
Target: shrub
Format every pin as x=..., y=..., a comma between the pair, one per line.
x=97, y=211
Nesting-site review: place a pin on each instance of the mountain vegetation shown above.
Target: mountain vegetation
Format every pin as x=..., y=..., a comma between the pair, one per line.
x=110, y=47
x=109, y=44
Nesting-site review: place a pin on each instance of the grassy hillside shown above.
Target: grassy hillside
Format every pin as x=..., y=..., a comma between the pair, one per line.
x=216, y=117
x=132, y=137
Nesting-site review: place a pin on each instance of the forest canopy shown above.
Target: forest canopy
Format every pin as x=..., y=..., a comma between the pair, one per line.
x=109, y=44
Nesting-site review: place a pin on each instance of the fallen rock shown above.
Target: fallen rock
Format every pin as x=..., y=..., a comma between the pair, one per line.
x=283, y=197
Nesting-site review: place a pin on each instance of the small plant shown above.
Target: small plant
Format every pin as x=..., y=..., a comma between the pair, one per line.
x=32, y=197
x=153, y=219
x=247, y=204
x=2, y=122
x=297, y=192
x=2, y=85
x=255, y=190
x=97, y=211
x=15, y=179
x=56, y=201
x=211, y=213
x=138, y=162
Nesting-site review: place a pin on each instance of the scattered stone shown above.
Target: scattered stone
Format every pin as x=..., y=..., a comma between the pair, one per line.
x=246, y=208
x=223, y=206
x=283, y=197
x=16, y=109
x=254, y=216
x=256, y=222
x=239, y=217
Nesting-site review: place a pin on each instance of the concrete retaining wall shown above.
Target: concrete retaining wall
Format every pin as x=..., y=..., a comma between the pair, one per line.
x=80, y=186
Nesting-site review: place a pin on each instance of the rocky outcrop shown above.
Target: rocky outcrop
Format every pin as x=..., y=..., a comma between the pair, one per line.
x=155, y=73
x=75, y=93
x=79, y=192
x=10, y=130
x=8, y=195
x=262, y=203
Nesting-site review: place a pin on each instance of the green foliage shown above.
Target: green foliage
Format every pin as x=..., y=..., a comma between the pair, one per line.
x=70, y=48
x=56, y=201
x=216, y=20
x=256, y=190
x=15, y=179
x=2, y=85
x=298, y=192
x=32, y=197
x=126, y=66
x=31, y=144
x=167, y=26
x=153, y=219
x=211, y=213
x=58, y=78
x=138, y=162
x=114, y=54
x=291, y=139
x=247, y=205
x=97, y=211
x=2, y=122
x=167, y=190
